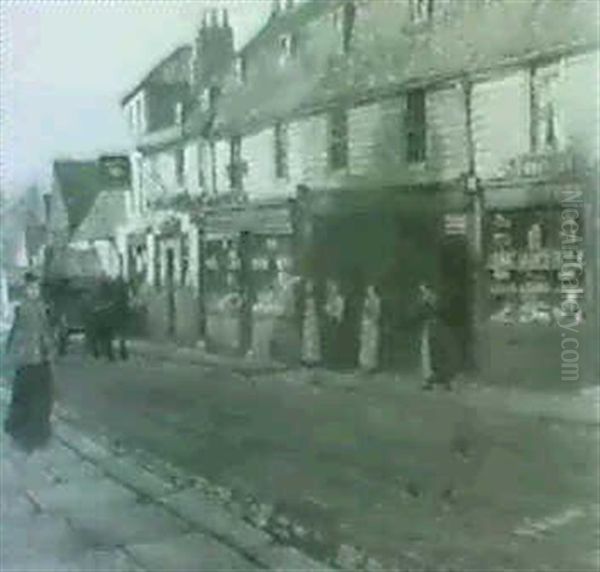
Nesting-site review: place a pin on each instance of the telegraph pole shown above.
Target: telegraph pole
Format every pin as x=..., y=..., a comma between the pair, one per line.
x=478, y=344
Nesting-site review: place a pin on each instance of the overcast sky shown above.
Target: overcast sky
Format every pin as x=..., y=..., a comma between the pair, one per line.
x=66, y=63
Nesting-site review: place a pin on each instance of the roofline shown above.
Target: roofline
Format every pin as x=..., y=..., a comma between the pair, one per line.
x=140, y=84
x=308, y=4
x=437, y=80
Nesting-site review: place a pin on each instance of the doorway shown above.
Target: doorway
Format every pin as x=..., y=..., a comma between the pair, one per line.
x=171, y=317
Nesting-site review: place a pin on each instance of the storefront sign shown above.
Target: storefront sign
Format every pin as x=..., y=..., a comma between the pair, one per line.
x=541, y=166
x=455, y=224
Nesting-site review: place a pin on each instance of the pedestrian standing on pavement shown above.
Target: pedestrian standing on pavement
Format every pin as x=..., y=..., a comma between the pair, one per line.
x=436, y=344
x=29, y=351
x=333, y=324
x=369, y=332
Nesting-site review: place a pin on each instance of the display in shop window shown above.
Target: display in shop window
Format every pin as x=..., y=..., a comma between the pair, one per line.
x=524, y=264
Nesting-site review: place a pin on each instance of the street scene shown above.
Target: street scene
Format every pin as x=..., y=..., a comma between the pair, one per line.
x=300, y=285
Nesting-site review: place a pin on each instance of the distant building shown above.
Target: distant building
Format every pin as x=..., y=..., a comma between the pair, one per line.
x=87, y=206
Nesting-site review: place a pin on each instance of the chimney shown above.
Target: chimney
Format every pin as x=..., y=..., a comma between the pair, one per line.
x=225, y=18
x=275, y=8
x=214, y=18
x=47, y=197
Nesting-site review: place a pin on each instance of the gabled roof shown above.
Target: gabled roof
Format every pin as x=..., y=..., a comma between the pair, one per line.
x=155, y=75
x=80, y=183
x=105, y=215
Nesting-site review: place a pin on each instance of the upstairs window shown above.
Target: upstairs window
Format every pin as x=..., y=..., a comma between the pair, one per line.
x=343, y=22
x=235, y=163
x=213, y=96
x=287, y=48
x=281, y=151
x=180, y=167
x=416, y=126
x=348, y=16
x=241, y=69
x=546, y=133
x=201, y=163
x=338, y=139
x=421, y=10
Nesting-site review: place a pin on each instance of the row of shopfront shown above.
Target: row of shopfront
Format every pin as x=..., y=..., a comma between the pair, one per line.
x=497, y=256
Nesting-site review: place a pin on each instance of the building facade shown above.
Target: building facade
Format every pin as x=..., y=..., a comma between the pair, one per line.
x=389, y=144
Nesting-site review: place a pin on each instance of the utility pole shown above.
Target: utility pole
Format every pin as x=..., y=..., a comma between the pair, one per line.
x=477, y=279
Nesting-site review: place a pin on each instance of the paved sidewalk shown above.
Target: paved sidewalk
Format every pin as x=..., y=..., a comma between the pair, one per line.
x=94, y=509
x=579, y=405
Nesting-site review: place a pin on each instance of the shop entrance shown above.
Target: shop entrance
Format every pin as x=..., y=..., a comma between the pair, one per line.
x=171, y=318
x=391, y=250
x=455, y=294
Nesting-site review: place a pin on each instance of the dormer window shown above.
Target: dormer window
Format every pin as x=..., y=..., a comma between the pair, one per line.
x=241, y=69
x=287, y=48
x=421, y=11
x=178, y=113
x=209, y=98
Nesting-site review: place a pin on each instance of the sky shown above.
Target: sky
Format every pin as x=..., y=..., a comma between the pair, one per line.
x=65, y=64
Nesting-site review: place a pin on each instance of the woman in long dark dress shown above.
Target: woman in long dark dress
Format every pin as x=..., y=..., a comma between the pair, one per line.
x=29, y=351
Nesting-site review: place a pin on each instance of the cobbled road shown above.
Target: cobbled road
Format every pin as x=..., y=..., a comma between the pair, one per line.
x=419, y=481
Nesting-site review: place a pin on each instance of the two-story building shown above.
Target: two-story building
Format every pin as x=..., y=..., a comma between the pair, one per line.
x=169, y=111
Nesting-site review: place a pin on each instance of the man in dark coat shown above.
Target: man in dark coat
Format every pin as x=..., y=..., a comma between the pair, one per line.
x=438, y=357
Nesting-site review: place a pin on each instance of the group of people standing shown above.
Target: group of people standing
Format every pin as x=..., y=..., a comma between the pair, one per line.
x=325, y=332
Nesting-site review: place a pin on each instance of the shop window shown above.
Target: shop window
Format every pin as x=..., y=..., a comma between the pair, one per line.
x=281, y=151
x=180, y=167
x=527, y=263
x=338, y=139
x=287, y=48
x=157, y=264
x=546, y=132
x=421, y=10
x=235, y=163
x=416, y=126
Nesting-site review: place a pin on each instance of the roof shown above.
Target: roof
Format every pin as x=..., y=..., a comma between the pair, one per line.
x=80, y=183
x=181, y=54
x=387, y=55
x=288, y=20
x=105, y=215
x=72, y=263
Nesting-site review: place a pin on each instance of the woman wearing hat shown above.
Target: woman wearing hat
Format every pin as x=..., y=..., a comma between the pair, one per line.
x=29, y=351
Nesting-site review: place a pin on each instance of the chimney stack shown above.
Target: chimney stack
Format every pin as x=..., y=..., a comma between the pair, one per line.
x=225, y=18
x=214, y=18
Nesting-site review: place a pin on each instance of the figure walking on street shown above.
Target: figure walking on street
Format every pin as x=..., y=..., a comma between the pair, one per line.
x=29, y=353
x=437, y=361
